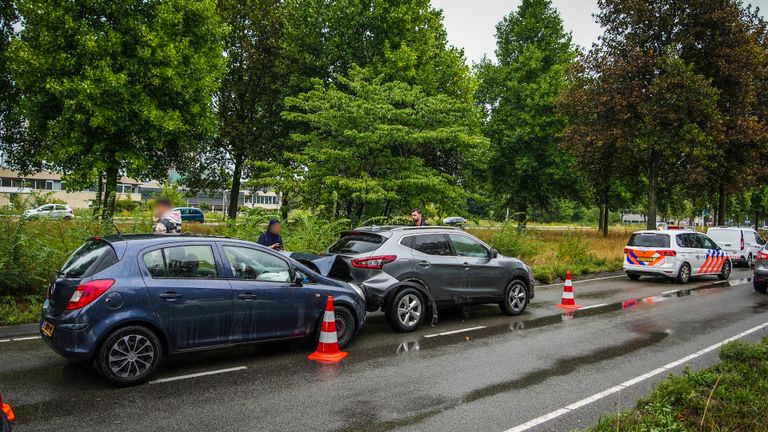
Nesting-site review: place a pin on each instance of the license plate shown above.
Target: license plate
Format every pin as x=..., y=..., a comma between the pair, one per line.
x=47, y=329
x=645, y=260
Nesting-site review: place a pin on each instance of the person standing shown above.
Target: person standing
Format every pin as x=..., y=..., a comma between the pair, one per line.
x=166, y=220
x=271, y=237
x=417, y=218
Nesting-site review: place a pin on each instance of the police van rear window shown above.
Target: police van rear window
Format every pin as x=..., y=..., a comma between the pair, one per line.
x=649, y=240
x=356, y=243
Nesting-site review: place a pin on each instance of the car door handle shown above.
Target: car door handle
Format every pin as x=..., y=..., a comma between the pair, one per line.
x=170, y=295
x=424, y=264
x=466, y=266
x=247, y=296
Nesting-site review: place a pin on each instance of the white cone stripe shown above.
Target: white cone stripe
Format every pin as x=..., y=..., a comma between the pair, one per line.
x=567, y=295
x=328, y=337
x=329, y=316
x=568, y=283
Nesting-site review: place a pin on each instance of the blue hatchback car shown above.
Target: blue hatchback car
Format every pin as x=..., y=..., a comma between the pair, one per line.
x=124, y=302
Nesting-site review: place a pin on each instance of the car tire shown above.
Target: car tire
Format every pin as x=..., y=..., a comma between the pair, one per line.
x=633, y=276
x=761, y=288
x=406, y=311
x=129, y=356
x=725, y=272
x=345, y=325
x=684, y=274
x=515, y=298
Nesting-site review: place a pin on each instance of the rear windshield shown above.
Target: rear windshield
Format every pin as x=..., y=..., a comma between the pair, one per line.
x=649, y=240
x=91, y=257
x=719, y=235
x=356, y=243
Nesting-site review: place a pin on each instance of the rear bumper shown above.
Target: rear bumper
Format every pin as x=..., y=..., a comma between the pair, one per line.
x=72, y=344
x=669, y=270
x=761, y=275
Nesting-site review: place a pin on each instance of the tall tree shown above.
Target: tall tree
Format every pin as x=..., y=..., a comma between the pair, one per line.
x=249, y=101
x=114, y=88
x=8, y=95
x=374, y=148
x=722, y=40
x=520, y=91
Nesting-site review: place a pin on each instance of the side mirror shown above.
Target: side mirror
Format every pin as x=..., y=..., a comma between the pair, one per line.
x=298, y=279
x=494, y=253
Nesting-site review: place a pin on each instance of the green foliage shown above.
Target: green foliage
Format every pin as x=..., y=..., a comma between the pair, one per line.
x=24, y=310
x=508, y=241
x=520, y=92
x=111, y=88
x=738, y=387
x=375, y=148
x=169, y=191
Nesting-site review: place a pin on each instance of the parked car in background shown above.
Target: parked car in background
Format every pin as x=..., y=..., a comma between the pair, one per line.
x=742, y=244
x=6, y=416
x=124, y=302
x=191, y=214
x=50, y=211
x=455, y=220
x=408, y=272
x=760, y=276
x=676, y=254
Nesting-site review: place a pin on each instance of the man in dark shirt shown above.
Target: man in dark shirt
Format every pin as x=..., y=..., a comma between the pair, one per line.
x=417, y=219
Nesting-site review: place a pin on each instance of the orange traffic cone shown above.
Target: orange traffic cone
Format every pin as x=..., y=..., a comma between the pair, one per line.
x=328, y=345
x=568, y=301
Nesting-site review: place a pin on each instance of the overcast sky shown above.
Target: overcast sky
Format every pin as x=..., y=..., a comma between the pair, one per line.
x=471, y=24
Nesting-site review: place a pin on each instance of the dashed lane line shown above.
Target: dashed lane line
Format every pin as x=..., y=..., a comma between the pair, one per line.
x=197, y=375
x=454, y=332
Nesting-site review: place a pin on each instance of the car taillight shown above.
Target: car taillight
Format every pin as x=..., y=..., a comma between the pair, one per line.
x=762, y=255
x=88, y=292
x=374, y=262
x=666, y=252
x=627, y=250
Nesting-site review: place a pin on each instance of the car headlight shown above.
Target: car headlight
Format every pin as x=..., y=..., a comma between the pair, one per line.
x=357, y=289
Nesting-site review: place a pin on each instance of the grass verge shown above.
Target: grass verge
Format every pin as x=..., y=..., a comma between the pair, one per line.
x=730, y=396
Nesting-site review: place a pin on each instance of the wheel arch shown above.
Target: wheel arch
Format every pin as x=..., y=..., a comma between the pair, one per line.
x=164, y=340
x=418, y=285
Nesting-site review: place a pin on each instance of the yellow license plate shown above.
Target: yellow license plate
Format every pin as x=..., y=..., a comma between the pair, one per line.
x=47, y=329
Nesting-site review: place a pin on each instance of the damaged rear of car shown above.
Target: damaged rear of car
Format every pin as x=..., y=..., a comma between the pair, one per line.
x=408, y=272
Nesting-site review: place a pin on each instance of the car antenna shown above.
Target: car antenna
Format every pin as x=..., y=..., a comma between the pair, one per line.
x=112, y=221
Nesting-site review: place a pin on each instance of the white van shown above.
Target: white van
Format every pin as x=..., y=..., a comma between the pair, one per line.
x=741, y=244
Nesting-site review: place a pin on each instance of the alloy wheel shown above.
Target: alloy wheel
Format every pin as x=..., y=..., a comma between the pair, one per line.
x=517, y=297
x=131, y=356
x=409, y=310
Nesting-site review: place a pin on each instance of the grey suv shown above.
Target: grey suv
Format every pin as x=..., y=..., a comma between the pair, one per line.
x=408, y=272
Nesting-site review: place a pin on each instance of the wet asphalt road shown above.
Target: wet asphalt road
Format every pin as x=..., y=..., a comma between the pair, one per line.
x=492, y=378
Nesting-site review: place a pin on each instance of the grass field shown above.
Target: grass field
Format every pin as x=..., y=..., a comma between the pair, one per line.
x=729, y=396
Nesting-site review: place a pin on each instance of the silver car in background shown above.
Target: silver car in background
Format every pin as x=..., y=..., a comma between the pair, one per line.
x=408, y=272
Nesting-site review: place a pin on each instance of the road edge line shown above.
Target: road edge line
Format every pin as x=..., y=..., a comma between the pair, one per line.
x=196, y=375
x=597, y=396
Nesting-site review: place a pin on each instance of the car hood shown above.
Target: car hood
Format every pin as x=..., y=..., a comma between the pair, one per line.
x=334, y=266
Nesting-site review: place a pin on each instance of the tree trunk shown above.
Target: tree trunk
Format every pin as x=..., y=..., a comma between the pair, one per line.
x=110, y=190
x=284, y=206
x=99, y=194
x=721, y=205
x=600, y=218
x=653, y=180
x=522, y=215
x=605, y=213
x=234, y=193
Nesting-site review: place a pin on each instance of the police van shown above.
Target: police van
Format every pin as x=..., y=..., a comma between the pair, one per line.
x=676, y=254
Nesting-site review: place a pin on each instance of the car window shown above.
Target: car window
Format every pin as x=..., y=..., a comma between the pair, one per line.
x=93, y=256
x=687, y=240
x=649, y=240
x=258, y=265
x=706, y=242
x=468, y=247
x=46, y=207
x=155, y=263
x=356, y=243
x=182, y=262
x=431, y=244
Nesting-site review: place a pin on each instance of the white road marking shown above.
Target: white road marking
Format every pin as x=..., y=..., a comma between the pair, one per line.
x=586, y=401
x=583, y=281
x=593, y=306
x=4, y=340
x=454, y=332
x=196, y=375
x=25, y=338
